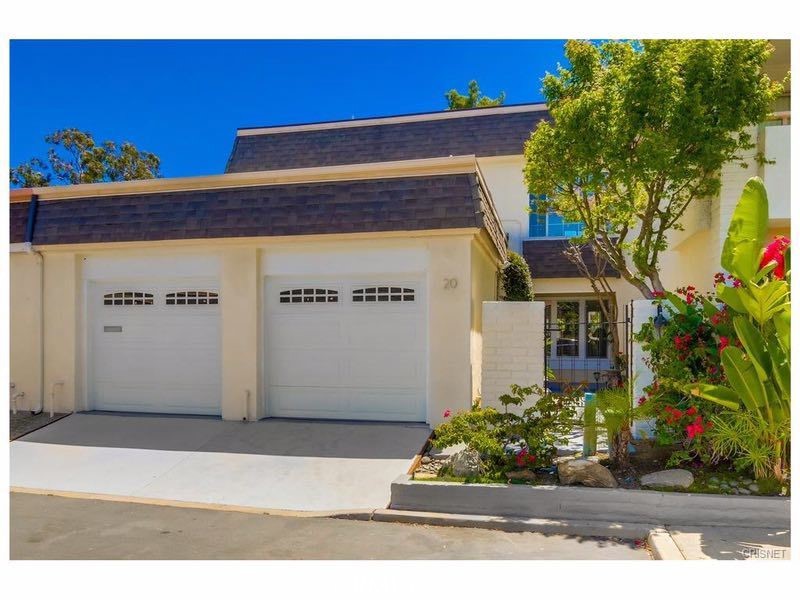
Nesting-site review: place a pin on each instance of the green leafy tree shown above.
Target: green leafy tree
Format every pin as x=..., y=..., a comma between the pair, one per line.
x=517, y=280
x=639, y=131
x=74, y=157
x=472, y=99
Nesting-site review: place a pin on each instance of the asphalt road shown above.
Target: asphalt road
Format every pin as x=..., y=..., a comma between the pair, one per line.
x=49, y=527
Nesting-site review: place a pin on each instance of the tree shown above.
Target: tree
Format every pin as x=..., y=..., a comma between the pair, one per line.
x=473, y=98
x=639, y=131
x=74, y=157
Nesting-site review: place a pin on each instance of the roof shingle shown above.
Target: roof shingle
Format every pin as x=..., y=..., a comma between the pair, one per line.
x=490, y=134
x=358, y=206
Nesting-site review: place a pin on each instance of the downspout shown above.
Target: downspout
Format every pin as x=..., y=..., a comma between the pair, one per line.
x=33, y=208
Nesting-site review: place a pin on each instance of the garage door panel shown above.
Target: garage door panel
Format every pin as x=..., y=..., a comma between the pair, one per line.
x=348, y=403
x=314, y=368
x=383, y=369
x=170, y=399
x=157, y=357
x=362, y=359
x=301, y=333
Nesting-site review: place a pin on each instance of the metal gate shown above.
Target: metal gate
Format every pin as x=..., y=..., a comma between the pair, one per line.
x=579, y=353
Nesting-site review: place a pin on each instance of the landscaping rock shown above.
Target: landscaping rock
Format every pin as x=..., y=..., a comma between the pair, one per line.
x=466, y=463
x=713, y=480
x=753, y=487
x=525, y=474
x=678, y=478
x=445, y=453
x=425, y=460
x=586, y=472
x=743, y=491
x=747, y=481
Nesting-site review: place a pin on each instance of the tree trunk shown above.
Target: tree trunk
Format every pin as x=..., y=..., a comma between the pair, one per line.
x=619, y=455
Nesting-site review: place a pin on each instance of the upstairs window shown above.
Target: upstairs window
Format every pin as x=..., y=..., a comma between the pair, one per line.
x=192, y=297
x=384, y=294
x=308, y=295
x=549, y=224
x=127, y=299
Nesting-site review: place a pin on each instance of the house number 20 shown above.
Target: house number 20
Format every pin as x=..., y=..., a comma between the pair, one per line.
x=450, y=283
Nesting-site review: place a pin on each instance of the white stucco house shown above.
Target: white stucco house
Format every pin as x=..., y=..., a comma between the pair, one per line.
x=335, y=270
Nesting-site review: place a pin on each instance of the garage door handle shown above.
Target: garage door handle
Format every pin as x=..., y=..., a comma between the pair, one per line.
x=112, y=328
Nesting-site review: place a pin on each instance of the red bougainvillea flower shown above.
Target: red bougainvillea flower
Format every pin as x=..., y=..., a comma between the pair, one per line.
x=723, y=343
x=658, y=294
x=642, y=400
x=737, y=282
x=691, y=411
x=447, y=413
x=774, y=253
x=695, y=428
x=690, y=290
x=719, y=277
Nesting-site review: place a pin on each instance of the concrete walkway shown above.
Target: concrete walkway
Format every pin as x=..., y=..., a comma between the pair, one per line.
x=731, y=543
x=272, y=464
x=45, y=527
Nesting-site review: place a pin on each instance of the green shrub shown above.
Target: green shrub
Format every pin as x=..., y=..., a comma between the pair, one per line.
x=537, y=430
x=517, y=281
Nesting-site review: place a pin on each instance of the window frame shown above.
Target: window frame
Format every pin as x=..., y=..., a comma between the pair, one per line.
x=551, y=305
x=360, y=295
x=109, y=298
x=309, y=295
x=191, y=294
x=532, y=199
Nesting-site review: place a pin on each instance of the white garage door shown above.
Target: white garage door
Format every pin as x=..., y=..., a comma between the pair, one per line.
x=154, y=347
x=352, y=349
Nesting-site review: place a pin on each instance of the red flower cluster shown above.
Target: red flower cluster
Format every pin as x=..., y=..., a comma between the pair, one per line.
x=642, y=400
x=697, y=427
x=447, y=413
x=673, y=414
x=774, y=253
x=658, y=294
x=723, y=343
x=682, y=342
x=719, y=277
x=525, y=457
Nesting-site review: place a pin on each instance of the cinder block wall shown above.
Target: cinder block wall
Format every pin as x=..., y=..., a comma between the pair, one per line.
x=513, y=347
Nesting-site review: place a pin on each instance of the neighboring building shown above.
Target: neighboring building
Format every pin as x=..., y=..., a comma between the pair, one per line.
x=336, y=270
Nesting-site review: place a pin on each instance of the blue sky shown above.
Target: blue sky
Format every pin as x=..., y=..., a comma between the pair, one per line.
x=184, y=100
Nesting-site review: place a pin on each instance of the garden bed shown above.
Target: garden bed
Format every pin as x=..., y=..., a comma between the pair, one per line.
x=718, y=480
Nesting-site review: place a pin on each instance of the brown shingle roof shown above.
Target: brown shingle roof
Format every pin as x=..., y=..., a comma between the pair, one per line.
x=357, y=206
x=546, y=259
x=487, y=134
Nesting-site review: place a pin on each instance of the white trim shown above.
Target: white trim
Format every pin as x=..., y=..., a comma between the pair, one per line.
x=436, y=116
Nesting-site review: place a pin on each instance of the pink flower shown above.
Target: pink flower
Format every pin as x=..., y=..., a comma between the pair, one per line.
x=447, y=413
x=774, y=252
x=642, y=400
x=723, y=343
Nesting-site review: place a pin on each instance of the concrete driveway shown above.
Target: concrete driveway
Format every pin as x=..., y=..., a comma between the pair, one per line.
x=272, y=464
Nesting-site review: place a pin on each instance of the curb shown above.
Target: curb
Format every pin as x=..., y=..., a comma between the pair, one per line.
x=364, y=514
x=663, y=546
x=606, y=529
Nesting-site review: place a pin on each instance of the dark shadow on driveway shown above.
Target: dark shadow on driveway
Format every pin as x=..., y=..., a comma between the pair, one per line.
x=273, y=437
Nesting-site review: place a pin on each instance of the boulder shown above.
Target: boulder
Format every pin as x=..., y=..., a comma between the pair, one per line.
x=466, y=463
x=586, y=472
x=671, y=478
x=445, y=453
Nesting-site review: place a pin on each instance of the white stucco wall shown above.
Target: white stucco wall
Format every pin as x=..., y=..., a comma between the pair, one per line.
x=503, y=175
x=777, y=176
x=513, y=347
